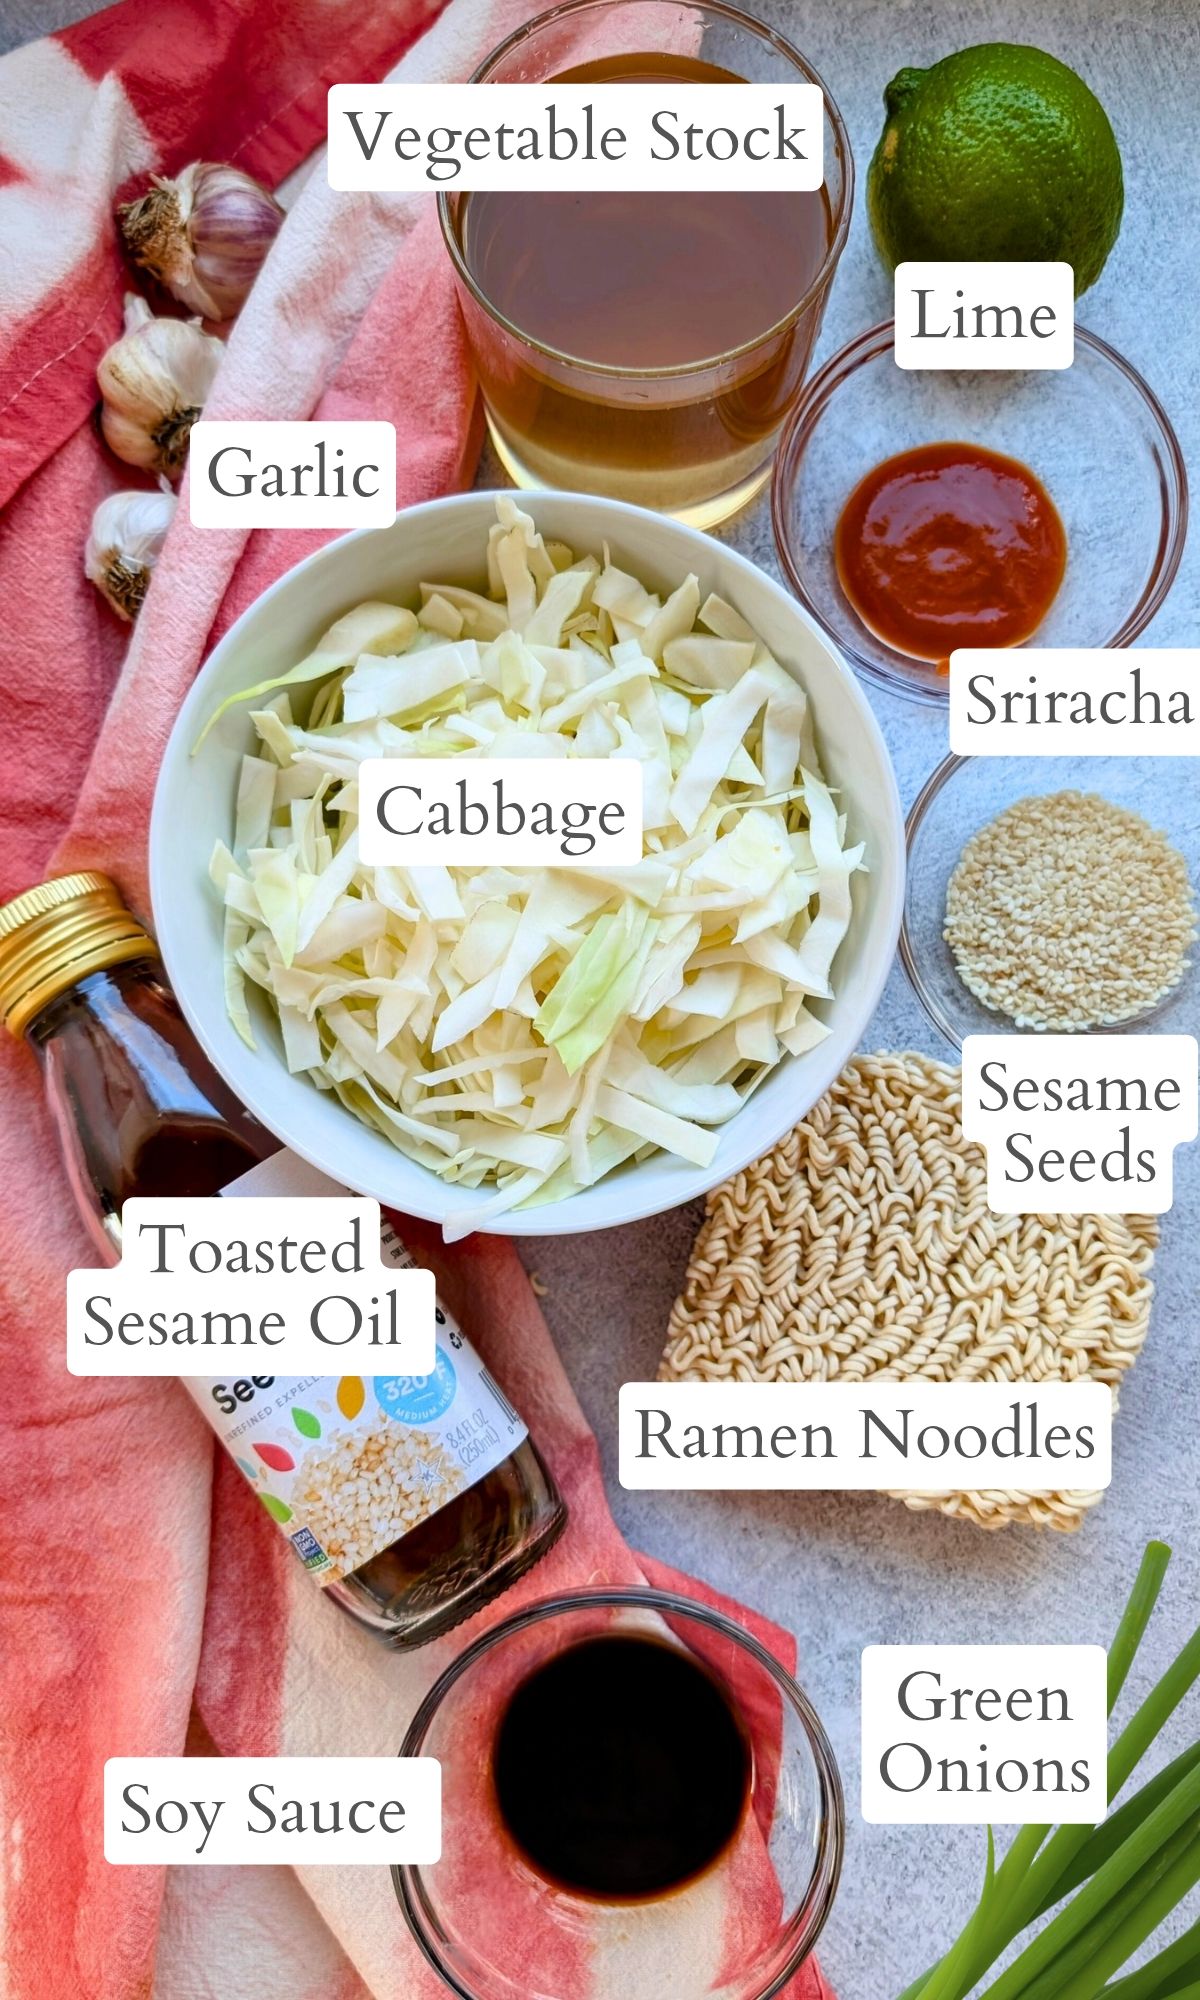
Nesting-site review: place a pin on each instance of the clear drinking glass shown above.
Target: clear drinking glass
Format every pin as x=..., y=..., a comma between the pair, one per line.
x=494, y=1929
x=697, y=439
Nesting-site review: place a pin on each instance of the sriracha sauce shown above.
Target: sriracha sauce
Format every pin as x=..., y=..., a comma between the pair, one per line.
x=950, y=545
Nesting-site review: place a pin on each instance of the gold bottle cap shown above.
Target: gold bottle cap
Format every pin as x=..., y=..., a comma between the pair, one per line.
x=56, y=934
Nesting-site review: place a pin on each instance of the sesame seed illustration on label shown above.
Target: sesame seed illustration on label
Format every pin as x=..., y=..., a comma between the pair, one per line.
x=345, y=1466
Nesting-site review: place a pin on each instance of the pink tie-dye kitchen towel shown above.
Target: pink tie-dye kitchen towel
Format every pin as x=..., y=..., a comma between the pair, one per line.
x=146, y=1604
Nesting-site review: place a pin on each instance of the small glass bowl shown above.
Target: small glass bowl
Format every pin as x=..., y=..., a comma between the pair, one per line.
x=1095, y=434
x=494, y=1929
x=963, y=795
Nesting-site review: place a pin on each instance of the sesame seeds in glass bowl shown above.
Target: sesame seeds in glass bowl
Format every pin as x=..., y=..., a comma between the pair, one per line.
x=1065, y=917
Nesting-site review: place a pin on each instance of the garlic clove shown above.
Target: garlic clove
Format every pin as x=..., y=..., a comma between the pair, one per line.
x=127, y=534
x=154, y=381
x=203, y=235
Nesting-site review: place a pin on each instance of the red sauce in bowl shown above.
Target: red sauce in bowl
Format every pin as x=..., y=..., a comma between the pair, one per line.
x=950, y=545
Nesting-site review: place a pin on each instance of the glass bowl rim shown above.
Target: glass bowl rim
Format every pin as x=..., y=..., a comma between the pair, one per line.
x=915, y=818
x=808, y=1920
x=683, y=370
x=869, y=345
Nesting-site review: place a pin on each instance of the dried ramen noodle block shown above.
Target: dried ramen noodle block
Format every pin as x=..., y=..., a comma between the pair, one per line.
x=863, y=1247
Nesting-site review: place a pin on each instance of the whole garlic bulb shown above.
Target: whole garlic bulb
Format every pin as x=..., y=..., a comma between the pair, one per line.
x=128, y=531
x=203, y=235
x=154, y=381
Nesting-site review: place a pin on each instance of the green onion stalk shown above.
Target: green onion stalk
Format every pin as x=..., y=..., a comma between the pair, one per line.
x=1095, y=1895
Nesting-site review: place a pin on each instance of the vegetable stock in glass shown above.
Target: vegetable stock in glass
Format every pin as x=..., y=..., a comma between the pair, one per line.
x=632, y=342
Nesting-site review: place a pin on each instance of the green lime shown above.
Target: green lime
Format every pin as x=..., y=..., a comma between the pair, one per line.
x=1000, y=152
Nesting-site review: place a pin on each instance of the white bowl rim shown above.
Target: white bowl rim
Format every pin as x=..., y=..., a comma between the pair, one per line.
x=624, y=1197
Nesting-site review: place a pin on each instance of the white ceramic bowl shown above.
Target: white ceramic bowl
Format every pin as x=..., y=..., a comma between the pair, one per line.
x=194, y=801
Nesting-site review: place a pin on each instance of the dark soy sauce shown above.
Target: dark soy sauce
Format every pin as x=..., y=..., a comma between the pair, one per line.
x=621, y=1769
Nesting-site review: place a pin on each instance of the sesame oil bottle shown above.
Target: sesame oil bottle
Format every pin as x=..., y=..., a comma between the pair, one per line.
x=412, y=1500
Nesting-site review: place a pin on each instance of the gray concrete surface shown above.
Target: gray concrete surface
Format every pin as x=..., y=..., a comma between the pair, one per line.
x=21, y=20
x=843, y=1571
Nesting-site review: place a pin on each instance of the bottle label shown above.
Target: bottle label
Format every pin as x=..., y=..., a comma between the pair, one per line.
x=347, y=1465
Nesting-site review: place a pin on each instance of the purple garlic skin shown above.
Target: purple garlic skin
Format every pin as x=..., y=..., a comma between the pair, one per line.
x=204, y=235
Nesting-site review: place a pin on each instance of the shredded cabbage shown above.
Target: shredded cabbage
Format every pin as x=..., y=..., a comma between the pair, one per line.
x=524, y=1032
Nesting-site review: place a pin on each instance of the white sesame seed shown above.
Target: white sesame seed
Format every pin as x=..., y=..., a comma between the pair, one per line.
x=1068, y=912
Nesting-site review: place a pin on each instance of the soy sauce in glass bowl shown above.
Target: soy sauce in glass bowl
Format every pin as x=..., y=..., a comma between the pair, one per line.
x=612, y=1849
